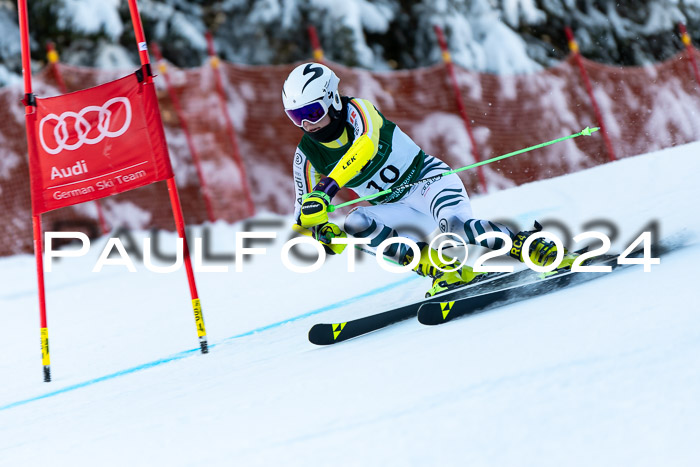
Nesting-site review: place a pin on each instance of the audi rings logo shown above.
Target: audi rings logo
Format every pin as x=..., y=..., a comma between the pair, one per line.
x=82, y=126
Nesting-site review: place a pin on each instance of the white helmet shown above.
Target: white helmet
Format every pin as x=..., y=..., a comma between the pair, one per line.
x=309, y=92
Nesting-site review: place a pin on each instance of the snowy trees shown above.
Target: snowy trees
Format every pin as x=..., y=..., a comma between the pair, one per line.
x=625, y=32
x=500, y=36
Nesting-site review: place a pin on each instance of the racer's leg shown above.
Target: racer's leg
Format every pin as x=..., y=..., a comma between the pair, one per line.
x=446, y=201
x=378, y=223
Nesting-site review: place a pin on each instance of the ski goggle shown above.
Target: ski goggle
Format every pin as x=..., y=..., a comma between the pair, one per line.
x=312, y=113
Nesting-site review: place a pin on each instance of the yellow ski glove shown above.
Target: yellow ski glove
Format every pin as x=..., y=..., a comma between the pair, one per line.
x=324, y=234
x=314, y=209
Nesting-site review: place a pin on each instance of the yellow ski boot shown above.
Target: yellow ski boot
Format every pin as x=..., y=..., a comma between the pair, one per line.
x=453, y=279
x=449, y=278
x=542, y=251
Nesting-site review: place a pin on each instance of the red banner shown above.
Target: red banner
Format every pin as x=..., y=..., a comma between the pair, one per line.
x=95, y=143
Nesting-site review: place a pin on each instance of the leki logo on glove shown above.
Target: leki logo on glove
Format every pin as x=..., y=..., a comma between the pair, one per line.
x=83, y=128
x=311, y=208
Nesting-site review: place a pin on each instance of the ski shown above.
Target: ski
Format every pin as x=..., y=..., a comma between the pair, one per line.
x=449, y=308
x=332, y=333
x=326, y=334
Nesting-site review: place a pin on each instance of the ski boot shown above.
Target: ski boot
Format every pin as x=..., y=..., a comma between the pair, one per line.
x=542, y=252
x=449, y=278
x=453, y=279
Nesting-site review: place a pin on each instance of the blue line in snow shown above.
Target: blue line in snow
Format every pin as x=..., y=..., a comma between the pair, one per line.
x=135, y=369
x=186, y=353
x=346, y=302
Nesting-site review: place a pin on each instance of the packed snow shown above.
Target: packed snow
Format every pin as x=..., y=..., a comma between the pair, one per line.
x=604, y=373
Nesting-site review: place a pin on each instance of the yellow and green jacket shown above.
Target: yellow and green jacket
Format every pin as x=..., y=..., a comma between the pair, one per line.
x=396, y=160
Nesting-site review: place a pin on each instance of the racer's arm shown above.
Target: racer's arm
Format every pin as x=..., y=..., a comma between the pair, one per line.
x=305, y=178
x=366, y=123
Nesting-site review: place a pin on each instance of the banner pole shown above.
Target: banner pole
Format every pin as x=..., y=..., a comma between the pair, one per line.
x=26, y=57
x=449, y=65
x=215, y=63
x=30, y=117
x=689, y=49
x=163, y=68
x=53, y=58
x=319, y=56
x=315, y=44
x=39, y=253
x=172, y=188
x=573, y=46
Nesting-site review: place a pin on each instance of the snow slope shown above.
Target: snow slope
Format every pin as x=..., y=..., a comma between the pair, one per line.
x=601, y=374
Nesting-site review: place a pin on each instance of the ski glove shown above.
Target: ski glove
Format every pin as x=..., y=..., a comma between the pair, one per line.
x=325, y=234
x=314, y=206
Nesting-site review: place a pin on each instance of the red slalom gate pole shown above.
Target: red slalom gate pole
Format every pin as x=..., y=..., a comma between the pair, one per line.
x=215, y=62
x=53, y=58
x=172, y=188
x=319, y=57
x=315, y=44
x=163, y=68
x=447, y=60
x=690, y=49
x=30, y=116
x=573, y=46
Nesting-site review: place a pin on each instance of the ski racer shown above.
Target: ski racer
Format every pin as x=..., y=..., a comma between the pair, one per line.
x=347, y=142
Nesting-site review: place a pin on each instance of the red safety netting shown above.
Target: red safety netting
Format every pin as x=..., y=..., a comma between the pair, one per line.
x=644, y=108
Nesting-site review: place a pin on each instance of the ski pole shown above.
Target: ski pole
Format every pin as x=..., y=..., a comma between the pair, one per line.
x=586, y=131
